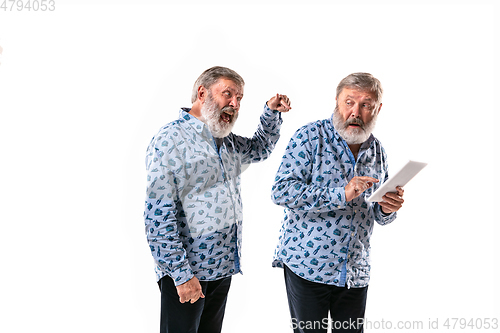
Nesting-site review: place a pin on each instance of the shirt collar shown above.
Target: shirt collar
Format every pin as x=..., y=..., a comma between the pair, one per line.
x=194, y=122
x=368, y=142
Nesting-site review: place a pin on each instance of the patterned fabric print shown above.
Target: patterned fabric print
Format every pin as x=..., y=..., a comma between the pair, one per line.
x=193, y=211
x=323, y=238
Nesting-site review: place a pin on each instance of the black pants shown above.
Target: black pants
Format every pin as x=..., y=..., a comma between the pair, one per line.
x=310, y=303
x=203, y=316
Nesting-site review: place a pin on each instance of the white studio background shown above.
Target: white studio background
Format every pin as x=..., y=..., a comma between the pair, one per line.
x=85, y=87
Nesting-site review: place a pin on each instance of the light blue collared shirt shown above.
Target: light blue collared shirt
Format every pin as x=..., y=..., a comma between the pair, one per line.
x=193, y=211
x=323, y=237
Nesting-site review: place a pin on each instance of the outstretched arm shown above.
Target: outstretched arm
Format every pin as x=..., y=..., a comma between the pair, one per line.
x=260, y=146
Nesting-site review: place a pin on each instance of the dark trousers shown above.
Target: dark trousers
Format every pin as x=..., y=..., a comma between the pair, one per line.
x=203, y=316
x=310, y=303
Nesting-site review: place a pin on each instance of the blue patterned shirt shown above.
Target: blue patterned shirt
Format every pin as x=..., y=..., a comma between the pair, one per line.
x=323, y=237
x=193, y=212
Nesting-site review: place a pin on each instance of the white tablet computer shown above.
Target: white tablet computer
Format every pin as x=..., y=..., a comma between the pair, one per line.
x=401, y=178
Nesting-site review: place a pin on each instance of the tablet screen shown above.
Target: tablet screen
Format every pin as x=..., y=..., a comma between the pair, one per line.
x=401, y=178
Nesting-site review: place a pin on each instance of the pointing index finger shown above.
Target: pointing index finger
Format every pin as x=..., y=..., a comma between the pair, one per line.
x=368, y=179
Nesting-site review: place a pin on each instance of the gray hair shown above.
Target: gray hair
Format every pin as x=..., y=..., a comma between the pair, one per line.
x=362, y=81
x=212, y=75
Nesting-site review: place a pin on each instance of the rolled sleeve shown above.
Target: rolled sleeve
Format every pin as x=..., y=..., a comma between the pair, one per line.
x=382, y=218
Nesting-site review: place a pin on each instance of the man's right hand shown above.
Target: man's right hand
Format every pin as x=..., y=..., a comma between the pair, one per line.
x=190, y=291
x=358, y=185
x=280, y=103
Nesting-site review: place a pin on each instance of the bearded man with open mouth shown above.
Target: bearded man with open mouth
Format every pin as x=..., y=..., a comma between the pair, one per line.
x=193, y=212
x=220, y=121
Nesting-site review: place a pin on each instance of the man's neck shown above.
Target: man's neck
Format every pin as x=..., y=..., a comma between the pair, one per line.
x=196, y=110
x=354, y=150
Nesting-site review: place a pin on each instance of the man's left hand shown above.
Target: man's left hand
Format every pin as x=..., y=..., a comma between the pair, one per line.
x=280, y=103
x=392, y=201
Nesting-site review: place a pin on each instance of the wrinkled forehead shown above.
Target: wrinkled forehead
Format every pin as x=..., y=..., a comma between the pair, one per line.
x=223, y=84
x=358, y=93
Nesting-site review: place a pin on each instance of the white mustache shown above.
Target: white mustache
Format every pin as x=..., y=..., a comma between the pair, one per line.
x=356, y=121
x=229, y=110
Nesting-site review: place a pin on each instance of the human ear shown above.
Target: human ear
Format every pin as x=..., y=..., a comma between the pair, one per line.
x=202, y=91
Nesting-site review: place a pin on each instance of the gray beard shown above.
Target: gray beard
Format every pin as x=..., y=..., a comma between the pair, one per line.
x=210, y=115
x=353, y=136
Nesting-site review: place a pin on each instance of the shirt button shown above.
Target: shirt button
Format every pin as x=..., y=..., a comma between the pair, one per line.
x=352, y=234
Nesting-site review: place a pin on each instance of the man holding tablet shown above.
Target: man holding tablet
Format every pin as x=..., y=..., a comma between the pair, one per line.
x=329, y=169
